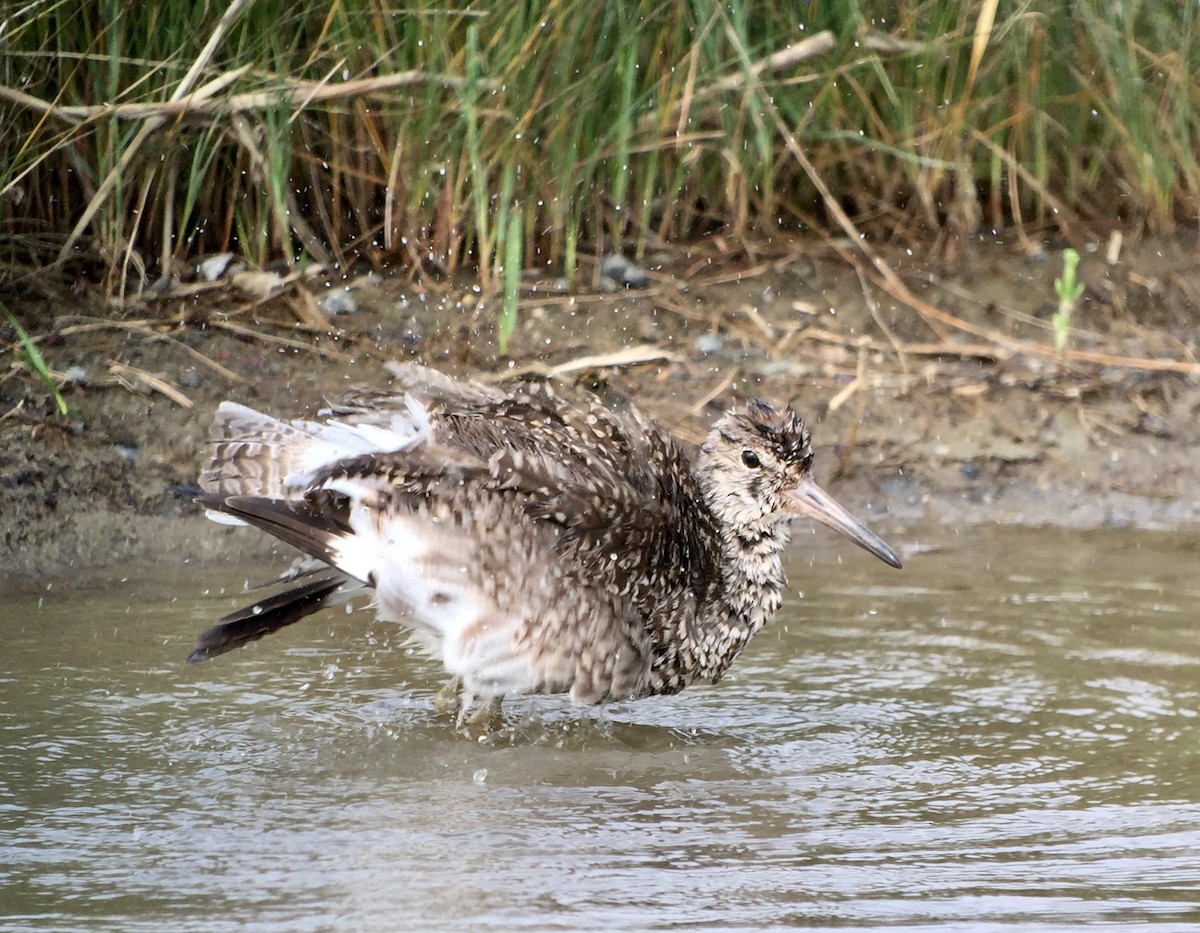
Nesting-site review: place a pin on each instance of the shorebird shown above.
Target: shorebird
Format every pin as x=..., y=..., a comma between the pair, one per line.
x=530, y=542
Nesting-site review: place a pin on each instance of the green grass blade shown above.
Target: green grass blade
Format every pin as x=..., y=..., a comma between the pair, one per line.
x=35, y=360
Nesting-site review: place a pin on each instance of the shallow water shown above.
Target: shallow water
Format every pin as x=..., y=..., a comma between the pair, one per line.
x=1004, y=734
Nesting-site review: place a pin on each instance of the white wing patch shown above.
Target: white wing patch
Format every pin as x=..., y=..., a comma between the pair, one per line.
x=425, y=576
x=337, y=440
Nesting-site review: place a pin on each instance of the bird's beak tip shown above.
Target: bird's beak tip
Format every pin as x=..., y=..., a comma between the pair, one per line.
x=809, y=499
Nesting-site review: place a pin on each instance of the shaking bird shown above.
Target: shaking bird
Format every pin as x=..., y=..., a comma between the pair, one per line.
x=531, y=543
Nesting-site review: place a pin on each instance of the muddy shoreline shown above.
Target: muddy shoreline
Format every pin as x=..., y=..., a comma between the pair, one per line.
x=962, y=436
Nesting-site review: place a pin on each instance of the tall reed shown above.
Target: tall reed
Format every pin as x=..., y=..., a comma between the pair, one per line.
x=427, y=135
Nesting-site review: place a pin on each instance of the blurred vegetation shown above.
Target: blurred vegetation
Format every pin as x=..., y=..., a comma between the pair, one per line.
x=442, y=135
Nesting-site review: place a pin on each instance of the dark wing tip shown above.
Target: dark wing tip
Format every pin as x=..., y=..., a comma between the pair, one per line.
x=252, y=622
x=203, y=652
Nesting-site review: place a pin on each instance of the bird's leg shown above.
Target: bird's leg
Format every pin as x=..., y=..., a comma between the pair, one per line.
x=449, y=699
x=483, y=720
x=488, y=714
x=452, y=698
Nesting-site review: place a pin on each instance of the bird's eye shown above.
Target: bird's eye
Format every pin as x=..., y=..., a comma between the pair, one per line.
x=750, y=458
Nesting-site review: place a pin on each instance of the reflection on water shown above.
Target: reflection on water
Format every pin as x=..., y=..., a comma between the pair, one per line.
x=1004, y=733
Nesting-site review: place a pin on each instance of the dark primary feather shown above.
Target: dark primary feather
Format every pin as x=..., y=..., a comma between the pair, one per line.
x=265, y=616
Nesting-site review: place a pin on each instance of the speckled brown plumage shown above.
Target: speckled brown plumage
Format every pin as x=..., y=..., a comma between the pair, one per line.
x=533, y=544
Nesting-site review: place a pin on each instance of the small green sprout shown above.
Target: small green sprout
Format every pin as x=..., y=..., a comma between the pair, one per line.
x=1069, y=292
x=33, y=358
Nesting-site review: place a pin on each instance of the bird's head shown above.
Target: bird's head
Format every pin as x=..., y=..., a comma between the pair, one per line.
x=756, y=470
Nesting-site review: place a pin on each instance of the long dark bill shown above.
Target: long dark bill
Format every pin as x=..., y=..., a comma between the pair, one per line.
x=808, y=499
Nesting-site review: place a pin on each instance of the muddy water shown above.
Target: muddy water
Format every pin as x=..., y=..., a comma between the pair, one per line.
x=1006, y=733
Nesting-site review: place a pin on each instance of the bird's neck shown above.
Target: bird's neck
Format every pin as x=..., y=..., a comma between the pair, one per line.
x=751, y=590
x=752, y=574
